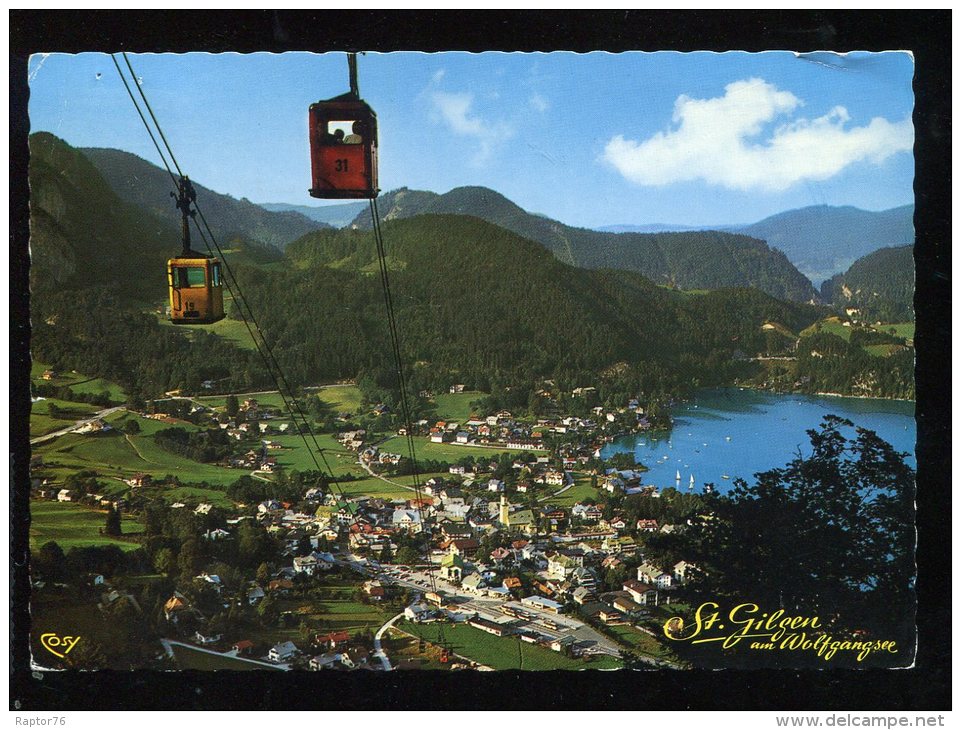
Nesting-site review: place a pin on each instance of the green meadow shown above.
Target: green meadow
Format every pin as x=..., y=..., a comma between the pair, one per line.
x=73, y=525
x=500, y=652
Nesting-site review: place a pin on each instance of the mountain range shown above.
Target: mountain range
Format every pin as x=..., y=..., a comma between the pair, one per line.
x=147, y=186
x=820, y=240
x=474, y=301
x=690, y=260
x=338, y=216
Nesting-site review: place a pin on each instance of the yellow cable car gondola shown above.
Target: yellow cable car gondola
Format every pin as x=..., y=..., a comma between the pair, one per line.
x=343, y=145
x=194, y=279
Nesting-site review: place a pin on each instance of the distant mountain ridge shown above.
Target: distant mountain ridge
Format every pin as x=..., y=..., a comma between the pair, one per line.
x=687, y=260
x=820, y=240
x=142, y=183
x=824, y=240
x=337, y=216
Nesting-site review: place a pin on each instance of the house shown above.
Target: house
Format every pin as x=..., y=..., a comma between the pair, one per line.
x=243, y=648
x=281, y=585
x=255, y=595
x=174, y=606
x=375, y=590
x=473, y=583
x=498, y=555
x=466, y=546
x=334, y=639
x=652, y=575
x=139, y=480
x=647, y=526
x=217, y=534
x=418, y=612
x=680, y=570
x=306, y=565
x=641, y=593
x=560, y=565
x=329, y=660
x=629, y=607
x=405, y=519
x=64, y=495
x=582, y=595
x=356, y=656
x=462, y=437
x=610, y=616
x=495, y=485
x=512, y=583
x=562, y=643
x=282, y=652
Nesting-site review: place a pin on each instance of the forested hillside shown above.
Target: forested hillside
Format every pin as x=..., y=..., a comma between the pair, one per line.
x=82, y=234
x=880, y=286
x=686, y=260
x=139, y=182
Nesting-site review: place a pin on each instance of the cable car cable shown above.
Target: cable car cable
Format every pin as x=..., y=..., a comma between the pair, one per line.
x=241, y=298
x=401, y=382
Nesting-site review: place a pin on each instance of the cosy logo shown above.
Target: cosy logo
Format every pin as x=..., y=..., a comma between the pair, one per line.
x=59, y=646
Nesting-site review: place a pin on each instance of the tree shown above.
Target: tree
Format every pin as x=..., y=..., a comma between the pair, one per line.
x=48, y=561
x=165, y=561
x=407, y=555
x=829, y=534
x=131, y=427
x=231, y=406
x=385, y=554
x=112, y=525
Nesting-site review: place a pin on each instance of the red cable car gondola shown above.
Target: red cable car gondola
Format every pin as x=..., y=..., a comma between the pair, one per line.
x=343, y=145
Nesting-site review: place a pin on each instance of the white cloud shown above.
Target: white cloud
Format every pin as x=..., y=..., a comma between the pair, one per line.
x=717, y=141
x=454, y=109
x=539, y=103
x=438, y=75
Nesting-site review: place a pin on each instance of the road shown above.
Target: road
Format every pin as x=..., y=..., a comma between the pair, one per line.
x=64, y=431
x=383, y=479
x=378, y=648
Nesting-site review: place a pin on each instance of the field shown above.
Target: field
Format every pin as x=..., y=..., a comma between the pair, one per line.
x=41, y=423
x=581, y=490
x=337, y=611
x=903, y=329
x=831, y=326
x=640, y=642
x=500, y=652
x=338, y=397
x=374, y=487
x=450, y=453
x=456, y=406
x=71, y=525
x=114, y=454
x=78, y=382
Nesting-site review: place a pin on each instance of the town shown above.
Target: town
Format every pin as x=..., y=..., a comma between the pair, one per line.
x=528, y=537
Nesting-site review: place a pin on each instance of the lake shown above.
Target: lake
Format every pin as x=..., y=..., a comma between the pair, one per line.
x=736, y=433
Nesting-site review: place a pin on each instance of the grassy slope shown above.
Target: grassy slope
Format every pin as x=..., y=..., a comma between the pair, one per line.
x=456, y=406
x=72, y=525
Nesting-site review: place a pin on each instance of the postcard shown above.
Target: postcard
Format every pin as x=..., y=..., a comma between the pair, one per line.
x=455, y=362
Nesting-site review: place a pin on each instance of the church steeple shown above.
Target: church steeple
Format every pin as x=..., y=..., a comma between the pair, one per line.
x=505, y=511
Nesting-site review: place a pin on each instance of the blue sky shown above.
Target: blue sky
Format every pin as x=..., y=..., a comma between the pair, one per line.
x=589, y=139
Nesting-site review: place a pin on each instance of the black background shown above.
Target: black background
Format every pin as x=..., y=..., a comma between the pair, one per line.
x=925, y=33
